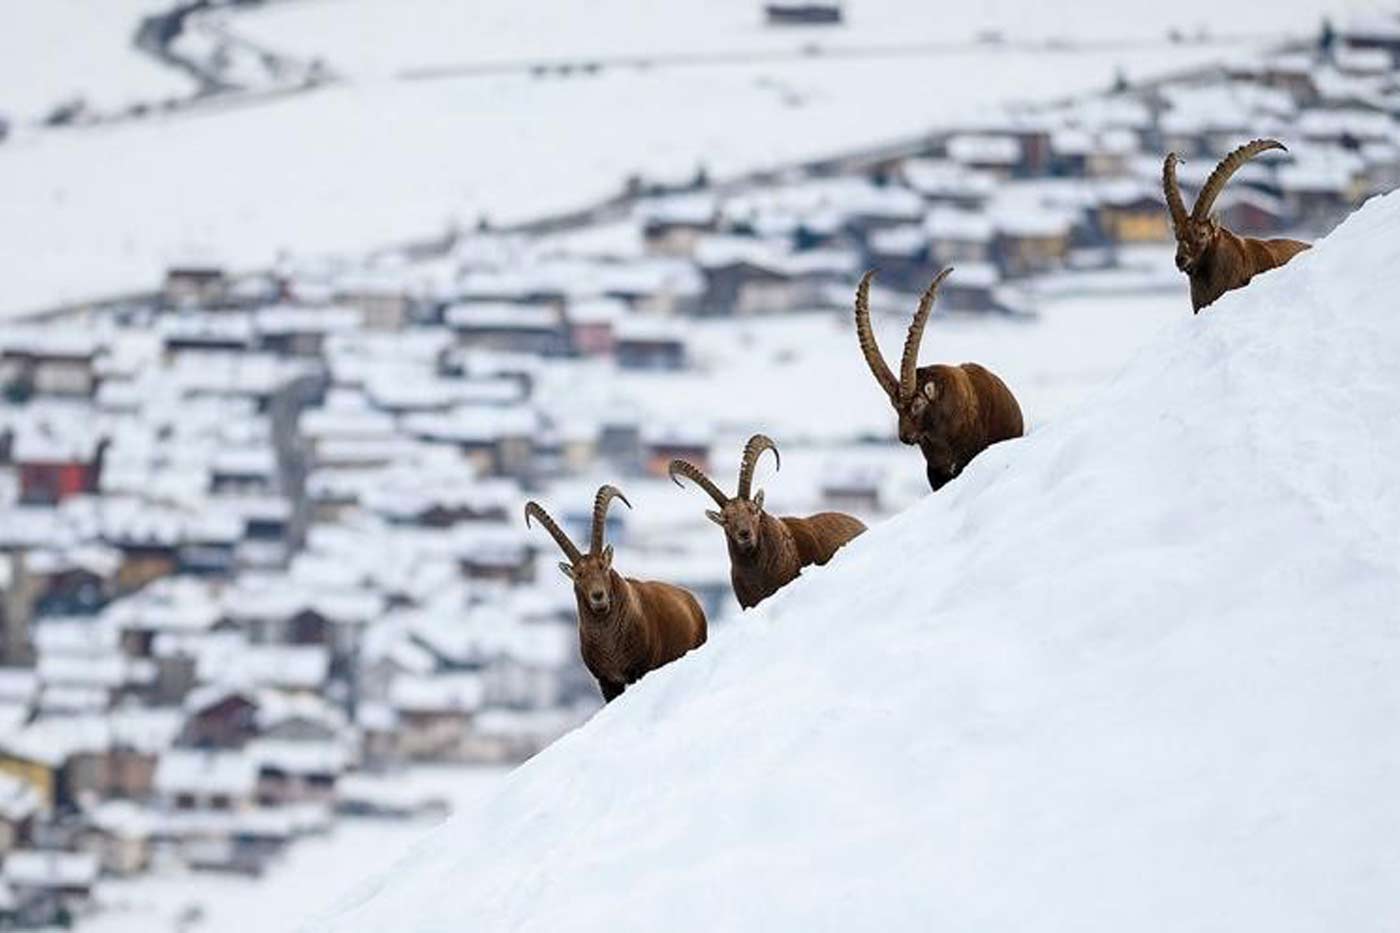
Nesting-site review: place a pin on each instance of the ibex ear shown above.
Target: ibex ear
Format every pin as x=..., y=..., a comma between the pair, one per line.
x=715, y=517
x=607, y=556
x=566, y=569
x=930, y=390
x=758, y=499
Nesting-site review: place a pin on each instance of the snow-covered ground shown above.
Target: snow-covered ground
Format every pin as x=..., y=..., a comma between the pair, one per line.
x=1139, y=670
x=384, y=37
x=54, y=50
x=313, y=870
x=377, y=160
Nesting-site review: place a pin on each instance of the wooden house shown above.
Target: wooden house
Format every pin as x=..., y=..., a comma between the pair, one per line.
x=972, y=287
x=1317, y=194
x=202, y=332
x=53, y=469
x=671, y=226
x=197, y=779
x=1128, y=213
x=288, y=330
x=194, y=286
x=1251, y=212
x=535, y=329
x=383, y=303
x=948, y=183
x=48, y=362
x=999, y=155
x=660, y=447
x=118, y=833
x=650, y=344
x=1379, y=31
x=902, y=255
x=593, y=325
x=800, y=13
x=50, y=886
x=434, y=714
x=1032, y=241
x=957, y=236
x=220, y=718
x=20, y=805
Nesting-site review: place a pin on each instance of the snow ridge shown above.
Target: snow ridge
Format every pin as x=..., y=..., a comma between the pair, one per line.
x=1139, y=670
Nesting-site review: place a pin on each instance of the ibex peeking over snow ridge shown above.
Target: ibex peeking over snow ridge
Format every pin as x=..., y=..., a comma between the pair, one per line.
x=626, y=627
x=1215, y=259
x=766, y=553
x=952, y=413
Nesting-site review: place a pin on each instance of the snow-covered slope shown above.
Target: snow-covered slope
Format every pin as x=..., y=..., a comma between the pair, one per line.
x=362, y=37
x=54, y=50
x=1138, y=671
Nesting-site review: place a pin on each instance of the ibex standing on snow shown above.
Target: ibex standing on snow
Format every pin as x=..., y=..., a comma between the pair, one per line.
x=952, y=413
x=626, y=627
x=1215, y=259
x=767, y=553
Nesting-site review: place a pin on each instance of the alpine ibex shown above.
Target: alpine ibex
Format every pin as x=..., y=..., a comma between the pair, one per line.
x=766, y=553
x=1215, y=259
x=952, y=413
x=626, y=627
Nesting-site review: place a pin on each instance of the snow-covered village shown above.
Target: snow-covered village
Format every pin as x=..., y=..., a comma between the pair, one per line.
x=271, y=609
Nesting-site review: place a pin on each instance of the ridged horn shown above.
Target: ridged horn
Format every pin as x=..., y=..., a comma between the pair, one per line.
x=909, y=363
x=1227, y=167
x=534, y=510
x=752, y=451
x=1176, y=205
x=868, y=347
x=693, y=473
x=606, y=494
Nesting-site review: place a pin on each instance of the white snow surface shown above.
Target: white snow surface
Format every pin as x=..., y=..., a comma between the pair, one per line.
x=1139, y=670
x=54, y=50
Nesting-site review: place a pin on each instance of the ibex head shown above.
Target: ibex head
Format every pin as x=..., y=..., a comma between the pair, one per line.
x=1196, y=231
x=911, y=400
x=742, y=516
x=591, y=572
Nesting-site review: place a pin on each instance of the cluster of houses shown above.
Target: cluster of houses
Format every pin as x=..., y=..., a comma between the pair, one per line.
x=260, y=545
x=1022, y=193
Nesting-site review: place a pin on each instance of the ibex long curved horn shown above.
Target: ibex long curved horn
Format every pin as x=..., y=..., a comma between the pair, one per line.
x=866, y=336
x=534, y=510
x=1176, y=205
x=1227, y=167
x=693, y=473
x=752, y=451
x=909, y=363
x=606, y=494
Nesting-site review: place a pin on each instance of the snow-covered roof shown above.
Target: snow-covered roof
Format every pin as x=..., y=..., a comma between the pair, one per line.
x=18, y=799
x=934, y=178
x=303, y=667
x=951, y=223
x=985, y=150
x=903, y=240
x=497, y=315
x=474, y=424
x=974, y=275
x=50, y=869
x=692, y=209
x=205, y=773
x=441, y=693
x=596, y=311
x=293, y=319
x=299, y=756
